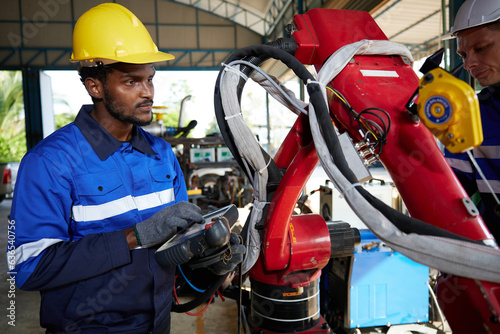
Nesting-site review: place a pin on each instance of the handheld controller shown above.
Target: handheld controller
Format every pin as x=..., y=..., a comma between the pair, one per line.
x=199, y=245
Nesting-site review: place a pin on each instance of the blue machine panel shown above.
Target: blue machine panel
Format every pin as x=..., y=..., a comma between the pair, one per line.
x=386, y=287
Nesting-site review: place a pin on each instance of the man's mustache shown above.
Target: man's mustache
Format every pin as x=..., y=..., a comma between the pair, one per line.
x=145, y=103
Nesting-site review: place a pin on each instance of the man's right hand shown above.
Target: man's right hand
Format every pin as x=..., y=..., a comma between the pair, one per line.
x=164, y=224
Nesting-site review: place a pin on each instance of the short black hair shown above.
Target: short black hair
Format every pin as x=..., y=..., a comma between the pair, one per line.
x=99, y=72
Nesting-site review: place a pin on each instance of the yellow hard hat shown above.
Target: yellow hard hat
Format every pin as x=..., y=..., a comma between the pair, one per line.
x=111, y=33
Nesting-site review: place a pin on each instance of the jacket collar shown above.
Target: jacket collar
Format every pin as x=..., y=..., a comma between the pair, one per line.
x=101, y=141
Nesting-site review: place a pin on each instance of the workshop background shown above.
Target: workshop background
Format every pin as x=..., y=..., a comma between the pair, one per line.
x=36, y=36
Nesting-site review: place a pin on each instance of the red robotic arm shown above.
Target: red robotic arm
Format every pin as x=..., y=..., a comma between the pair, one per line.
x=368, y=102
x=427, y=184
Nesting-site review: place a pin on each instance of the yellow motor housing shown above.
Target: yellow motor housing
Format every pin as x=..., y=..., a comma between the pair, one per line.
x=159, y=115
x=449, y=108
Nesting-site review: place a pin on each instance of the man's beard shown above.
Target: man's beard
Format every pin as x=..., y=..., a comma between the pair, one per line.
x=115, y=110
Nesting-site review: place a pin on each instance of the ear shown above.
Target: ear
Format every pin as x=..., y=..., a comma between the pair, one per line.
x=94, y=87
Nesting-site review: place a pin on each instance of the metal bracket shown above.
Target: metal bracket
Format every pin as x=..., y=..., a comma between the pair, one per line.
x=469, y=205
x=406, y=60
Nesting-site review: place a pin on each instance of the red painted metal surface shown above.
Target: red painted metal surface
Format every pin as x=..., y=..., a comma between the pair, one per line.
x=322, y=31
x=295, y=248
x=426, y=183
x=470, y=306
x=411, y=154
x=306, y=250
x=282, y=206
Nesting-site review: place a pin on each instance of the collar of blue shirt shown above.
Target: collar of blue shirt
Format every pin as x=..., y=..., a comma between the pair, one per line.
x=101, y=141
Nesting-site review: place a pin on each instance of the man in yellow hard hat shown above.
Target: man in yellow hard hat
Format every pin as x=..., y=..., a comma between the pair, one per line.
x=477, y=30
x=94, y=198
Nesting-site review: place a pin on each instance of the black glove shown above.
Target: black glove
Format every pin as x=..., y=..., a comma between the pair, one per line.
x=231, y=258
x=165, y=223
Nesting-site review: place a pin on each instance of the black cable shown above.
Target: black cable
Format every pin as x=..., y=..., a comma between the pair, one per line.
x=379, y=142
x=408, y=224
x=201, y=298
x=286, y=44
x=328, y=133
x=256, y=55
x=387, y=126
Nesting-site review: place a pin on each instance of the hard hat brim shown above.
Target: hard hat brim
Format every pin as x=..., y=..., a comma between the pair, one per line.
x=453, y=34
x=450, y=35
x=143, y=58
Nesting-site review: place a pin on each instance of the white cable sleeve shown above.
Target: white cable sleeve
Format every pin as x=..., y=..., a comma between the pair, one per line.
x=275, y=88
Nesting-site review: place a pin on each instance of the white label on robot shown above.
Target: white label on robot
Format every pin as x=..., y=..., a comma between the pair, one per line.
x=379, y=73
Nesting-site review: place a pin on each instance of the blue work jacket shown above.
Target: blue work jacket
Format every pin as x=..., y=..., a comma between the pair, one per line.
x=76, y=192
x=487, y=156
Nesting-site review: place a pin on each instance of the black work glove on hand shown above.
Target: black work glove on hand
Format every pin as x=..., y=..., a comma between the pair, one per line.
x=231, y=258
x=165, y=223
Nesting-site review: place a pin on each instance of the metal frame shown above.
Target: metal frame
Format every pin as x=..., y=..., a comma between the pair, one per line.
x=263, y=24
x=196, y=58
x=53, y=58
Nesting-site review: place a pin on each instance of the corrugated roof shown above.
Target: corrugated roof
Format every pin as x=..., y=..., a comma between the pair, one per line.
x=415, y=23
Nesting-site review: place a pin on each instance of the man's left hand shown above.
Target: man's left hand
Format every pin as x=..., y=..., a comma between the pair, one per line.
x=231, y=260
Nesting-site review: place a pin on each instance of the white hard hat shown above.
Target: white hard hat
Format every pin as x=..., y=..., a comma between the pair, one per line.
x=474, y=13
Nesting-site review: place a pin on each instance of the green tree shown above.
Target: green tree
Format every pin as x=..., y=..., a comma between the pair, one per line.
x=177, y=91
x=63, y=119
x=12, y=127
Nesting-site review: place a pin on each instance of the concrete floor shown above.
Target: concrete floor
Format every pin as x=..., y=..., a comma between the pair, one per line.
x=219, y=318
